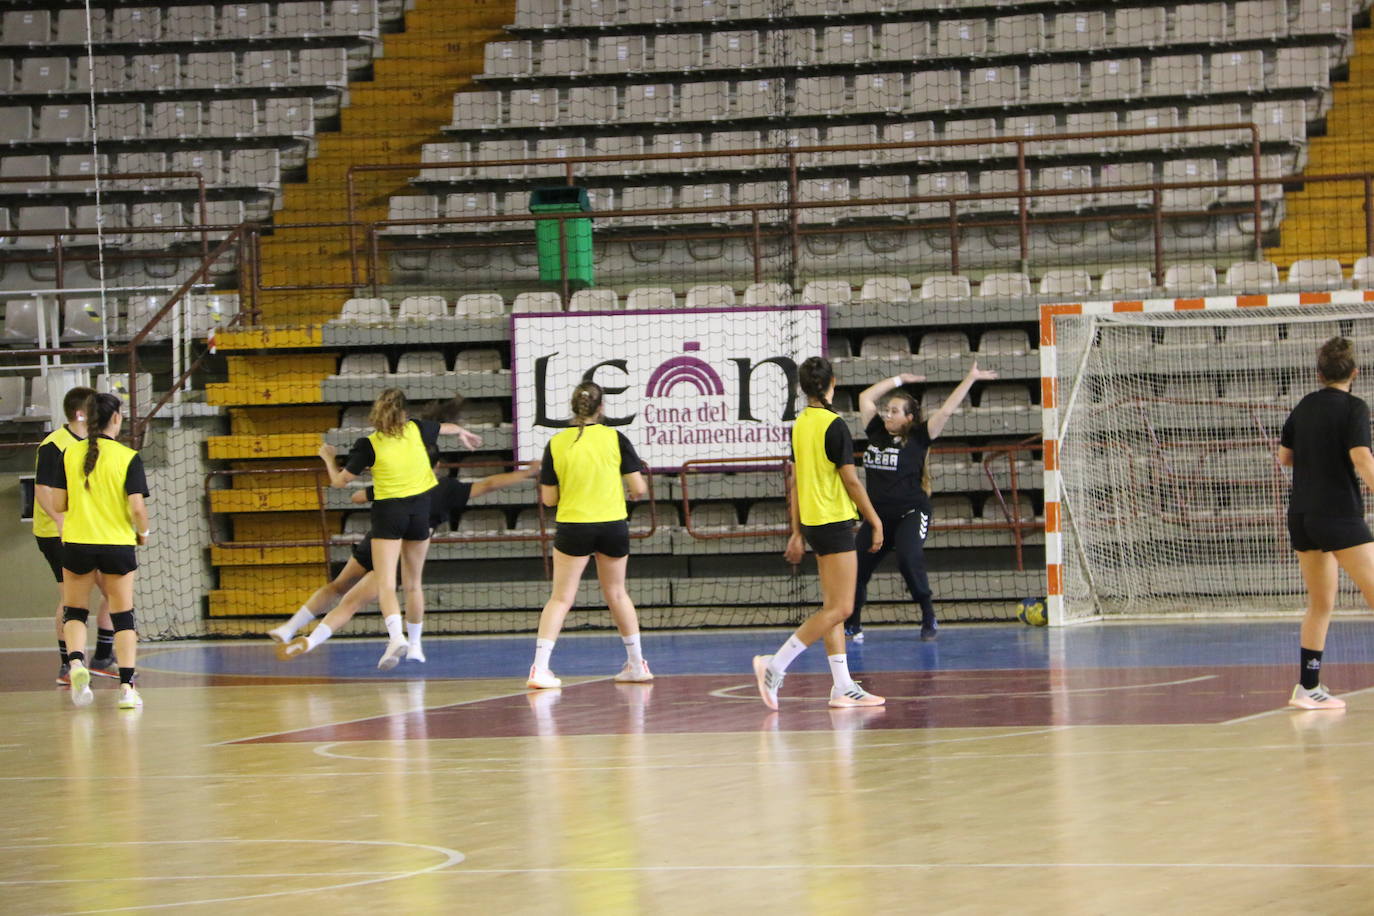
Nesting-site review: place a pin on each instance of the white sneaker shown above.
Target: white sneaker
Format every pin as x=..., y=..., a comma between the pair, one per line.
x=415, y=653
x=1316, y=698
x=853, y=696
x=542, y=679
x=769, y=680
x=395, y=651
x=281, y=635
x=631, y=674
x=81, y=685
x=128, y=697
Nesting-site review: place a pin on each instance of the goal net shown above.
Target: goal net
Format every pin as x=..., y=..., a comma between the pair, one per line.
x=1162, y=431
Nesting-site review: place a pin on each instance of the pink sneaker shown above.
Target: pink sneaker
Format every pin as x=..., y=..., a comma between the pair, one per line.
x=854, y=696
x=1316, y=698
x=769, y=681
x=630, y=674
x=542, y=679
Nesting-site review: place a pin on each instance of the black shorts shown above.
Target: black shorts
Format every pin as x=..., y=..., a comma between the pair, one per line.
x=835, y=537
x=1320, y=532
x=405, y=519
x=111, y=559
x=582, y=539
x=362, y=552
x=51, y=548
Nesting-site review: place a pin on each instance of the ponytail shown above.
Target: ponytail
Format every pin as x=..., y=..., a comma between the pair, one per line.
x=586, y=404
x=100, y=410
x=815, y=377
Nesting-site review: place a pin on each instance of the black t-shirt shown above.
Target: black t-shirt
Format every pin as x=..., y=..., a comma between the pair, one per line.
x=1321, y=431
x=629, y=461
x=49, y=471
x=893, y=472
x=363, y=456
x=447, y=501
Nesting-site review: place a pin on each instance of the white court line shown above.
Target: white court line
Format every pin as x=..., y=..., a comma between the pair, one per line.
x=386, y=715
x=451, y=857
x=141, y=878
x=727, y=693
x=1290, y=709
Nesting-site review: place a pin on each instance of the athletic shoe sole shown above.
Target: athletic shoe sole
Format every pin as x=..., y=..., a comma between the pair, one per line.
x=81, y=687
x=868, y=701
x=294, y=649
x=395, y=651
x=626, y=676
x=760, y=675
x=105, y=672
x=130, y=700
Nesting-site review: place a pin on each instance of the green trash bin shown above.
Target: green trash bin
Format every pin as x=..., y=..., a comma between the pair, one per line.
x=578, y=233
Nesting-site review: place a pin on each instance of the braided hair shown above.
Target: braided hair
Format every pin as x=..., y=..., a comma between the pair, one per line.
x=816, y=375
x=100, y=410
x=586, y=404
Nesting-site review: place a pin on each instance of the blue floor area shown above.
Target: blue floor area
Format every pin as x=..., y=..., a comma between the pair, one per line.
x=718, y=652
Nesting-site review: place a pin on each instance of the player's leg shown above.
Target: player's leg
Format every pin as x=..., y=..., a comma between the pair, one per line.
x=838, y=575
x=118, y=590
x=76, y=591
x=1320, y=572
x=567, y=572
x=386, y=560
x=908, y=540
x=103, y=662
x=610, y=572
x=353, y=601
x=867, y=563
x=324, y=597
x=51, y=548
x=413, y=555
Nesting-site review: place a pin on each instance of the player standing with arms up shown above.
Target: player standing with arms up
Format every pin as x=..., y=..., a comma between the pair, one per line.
x=586, y=471
x=47, y=531
x=897, y=476
x=398, y=452
x=1325, y=441
x=822, y=496
x=101, y=488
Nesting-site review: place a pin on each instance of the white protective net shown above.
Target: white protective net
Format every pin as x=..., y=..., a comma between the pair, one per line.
x=1173, y=501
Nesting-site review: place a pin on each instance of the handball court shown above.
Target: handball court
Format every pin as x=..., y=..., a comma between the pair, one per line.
x=1125, y=768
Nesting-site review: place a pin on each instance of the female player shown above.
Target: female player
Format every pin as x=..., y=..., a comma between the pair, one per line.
x=47, y=531
x=403, y=476
x=822, y=496
x=356, y=585
x=101, y=487
x=1325, y=441
x=898, y=481
x=586, y=470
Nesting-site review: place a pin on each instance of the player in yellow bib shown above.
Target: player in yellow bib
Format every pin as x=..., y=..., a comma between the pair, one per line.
x=47, y=531
x=824, y=498
x=398, y=453
x=585, y=472
x=102, y=489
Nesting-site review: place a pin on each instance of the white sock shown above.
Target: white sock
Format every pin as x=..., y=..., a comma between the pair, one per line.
x=543, y=648
x=318, y=635
x=413, y=632
x=839, y=672
x=299, y=620
x=393, y=626
x=633, y=654
x=787, y=654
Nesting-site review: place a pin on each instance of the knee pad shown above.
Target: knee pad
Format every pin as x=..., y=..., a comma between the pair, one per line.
x=79, y=614
x=124, y=620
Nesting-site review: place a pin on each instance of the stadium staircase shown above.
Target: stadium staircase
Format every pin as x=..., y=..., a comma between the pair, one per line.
x=1321, y=221
x=276, y=415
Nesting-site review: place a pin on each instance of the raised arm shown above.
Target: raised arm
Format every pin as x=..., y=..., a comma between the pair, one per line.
x=470, y=440
x=506, y=479
x=338, y=477
x=869, y=397
x=935, y=423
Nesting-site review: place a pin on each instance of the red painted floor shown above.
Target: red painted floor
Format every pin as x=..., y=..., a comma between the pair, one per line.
x=922, y=699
